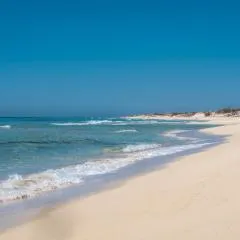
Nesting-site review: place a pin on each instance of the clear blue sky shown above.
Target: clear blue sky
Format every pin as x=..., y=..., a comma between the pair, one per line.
x=100, y=57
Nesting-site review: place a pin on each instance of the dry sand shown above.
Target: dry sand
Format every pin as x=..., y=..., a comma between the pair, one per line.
x=195, y=198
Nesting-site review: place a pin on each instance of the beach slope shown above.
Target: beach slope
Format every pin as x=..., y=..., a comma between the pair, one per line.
x=196, y=197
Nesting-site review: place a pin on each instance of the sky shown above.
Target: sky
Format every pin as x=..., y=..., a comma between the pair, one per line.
x=107, y=57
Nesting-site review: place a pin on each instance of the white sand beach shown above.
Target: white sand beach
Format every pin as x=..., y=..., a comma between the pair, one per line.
x=195, y=197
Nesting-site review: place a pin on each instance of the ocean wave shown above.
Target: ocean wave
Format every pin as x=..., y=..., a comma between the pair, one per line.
x=5, y=126
x=175, y=134
x=60, y=141
x=121, y=124
x=114, y=123
x=173, y=122
x=92, y=122
x=145, y=122
x=140, y=147
x=126, y=131
x=155, y=120
x=29, y=186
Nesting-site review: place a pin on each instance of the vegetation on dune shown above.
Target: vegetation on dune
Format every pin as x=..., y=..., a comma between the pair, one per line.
x=207, y=114
x=227, y=111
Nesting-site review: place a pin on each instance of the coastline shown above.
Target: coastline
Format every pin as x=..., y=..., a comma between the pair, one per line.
x=175, y=202
x=213, y=119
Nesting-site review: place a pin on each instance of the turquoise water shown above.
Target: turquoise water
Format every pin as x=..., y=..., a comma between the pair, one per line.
x=43, y=154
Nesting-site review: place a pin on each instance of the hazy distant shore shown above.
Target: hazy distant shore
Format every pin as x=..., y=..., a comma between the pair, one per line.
x=222, y=116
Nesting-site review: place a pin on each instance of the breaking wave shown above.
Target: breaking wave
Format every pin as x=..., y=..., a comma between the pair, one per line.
x=5, y=126
x=126, y=131
x=29, y=186
x=175, y=134
x=140, y=147
x=92, y=122
x=113, y=123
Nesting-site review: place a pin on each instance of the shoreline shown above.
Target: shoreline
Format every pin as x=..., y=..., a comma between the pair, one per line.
x=19, y=212
x=75, y=209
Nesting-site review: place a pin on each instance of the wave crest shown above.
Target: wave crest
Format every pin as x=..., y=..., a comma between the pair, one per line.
x=112, y=122
x=140, y=147
x=20, y=187
x=92, y=122
x=175, y=134
x=126, y=131
x=5, y=126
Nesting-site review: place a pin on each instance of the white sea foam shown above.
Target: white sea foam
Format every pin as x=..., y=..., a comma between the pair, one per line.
x=5, y=126
x=92, y=122
x=140, y=147
x=173, y=122
x=155, y=121
x=21, y=187
x=113, y=123
x=126, y=131
x=145, y=122
x=175, y=134
x=121, y=124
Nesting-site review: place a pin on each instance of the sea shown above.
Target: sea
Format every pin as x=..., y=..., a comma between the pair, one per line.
x=42, y=155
